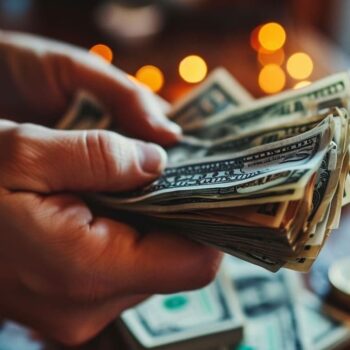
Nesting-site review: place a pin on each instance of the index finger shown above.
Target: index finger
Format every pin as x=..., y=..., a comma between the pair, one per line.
x=135, y=108
x=61, y=70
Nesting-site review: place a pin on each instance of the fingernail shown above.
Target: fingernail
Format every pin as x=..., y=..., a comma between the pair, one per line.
x=152, y=158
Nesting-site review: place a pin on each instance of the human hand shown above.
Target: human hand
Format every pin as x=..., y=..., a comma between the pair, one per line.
x=39, y=79
x=63, y=271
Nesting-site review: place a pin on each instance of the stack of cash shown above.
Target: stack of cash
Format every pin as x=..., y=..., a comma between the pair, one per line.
x=263, y=180
x=268, y=312
x=206, y=319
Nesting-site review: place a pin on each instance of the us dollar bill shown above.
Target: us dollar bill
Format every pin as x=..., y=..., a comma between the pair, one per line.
x=85, y=113
x=269, y=304
x=325, y=332
x=221, y=175
x=329, y=92
x=204, y=319
x=193, y=148
x=264, y=182
x=219, y=92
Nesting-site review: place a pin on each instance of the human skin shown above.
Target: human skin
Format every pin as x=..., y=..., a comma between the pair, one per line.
x=64, y=270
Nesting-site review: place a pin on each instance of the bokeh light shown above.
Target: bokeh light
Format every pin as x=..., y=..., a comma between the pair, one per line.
x=268, y=57
x=103, y=51
x=302, y=84
x=272, y=36
x=254, y=38
x=150, y=76
x=193, y=69
x=300, y=66
x=272, y=78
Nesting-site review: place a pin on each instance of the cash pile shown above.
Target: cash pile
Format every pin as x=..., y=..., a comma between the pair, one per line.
x=210, y=318
x=263, y=180
x=267, y=312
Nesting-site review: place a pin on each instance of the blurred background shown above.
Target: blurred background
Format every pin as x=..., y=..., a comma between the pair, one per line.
x=153, y=39
x=172, y=45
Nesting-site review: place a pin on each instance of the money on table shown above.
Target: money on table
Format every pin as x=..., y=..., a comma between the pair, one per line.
x=269, y=312
x=205, y=319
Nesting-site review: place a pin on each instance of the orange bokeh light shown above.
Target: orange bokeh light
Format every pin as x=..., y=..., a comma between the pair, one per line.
x=272, y=79
x=272, y=36
x=150, y=76
x=103, y=51
x=254, y=38
x=268, y=57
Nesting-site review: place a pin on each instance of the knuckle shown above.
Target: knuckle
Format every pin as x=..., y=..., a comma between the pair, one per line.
x=19, y=139
x=61, y=66
x=108, y=154
x=24, y=130
x=97, y=145
x=25, y=143
x=22, y=154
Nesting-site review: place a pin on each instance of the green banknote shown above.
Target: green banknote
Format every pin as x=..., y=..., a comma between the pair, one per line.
x=285, y=107
x=218, y=93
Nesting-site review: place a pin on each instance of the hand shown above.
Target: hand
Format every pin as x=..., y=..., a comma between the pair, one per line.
x=39, y=79
x=62, y=270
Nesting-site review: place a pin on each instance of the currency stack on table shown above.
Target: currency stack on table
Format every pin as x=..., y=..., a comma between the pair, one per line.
x=246, y=307
x=263, y=180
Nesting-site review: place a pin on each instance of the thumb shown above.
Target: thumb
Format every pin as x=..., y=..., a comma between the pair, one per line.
x=39, y=159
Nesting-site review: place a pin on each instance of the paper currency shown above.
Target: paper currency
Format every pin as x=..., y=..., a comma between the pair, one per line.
x=269, y=304
x=280, y=313
x=14, y=336
x=325, y=332
x=285, y=107
x=220, y=92
x=275, y=311
x=85, y=113
x=263, y=180
x=205, y=319
x=217, y=175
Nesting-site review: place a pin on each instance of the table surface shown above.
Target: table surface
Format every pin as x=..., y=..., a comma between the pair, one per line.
x=234, y=52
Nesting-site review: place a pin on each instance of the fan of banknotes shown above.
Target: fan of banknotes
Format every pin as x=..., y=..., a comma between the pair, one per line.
x=263, y=180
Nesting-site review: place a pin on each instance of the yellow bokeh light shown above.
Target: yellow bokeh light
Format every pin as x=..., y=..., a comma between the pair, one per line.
x=103, y=51
x=300, y=66
x=272, y=78
x=268, y=57
x=150, y=76
x=302, y=84
x=193, y=69
x=272, y=36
